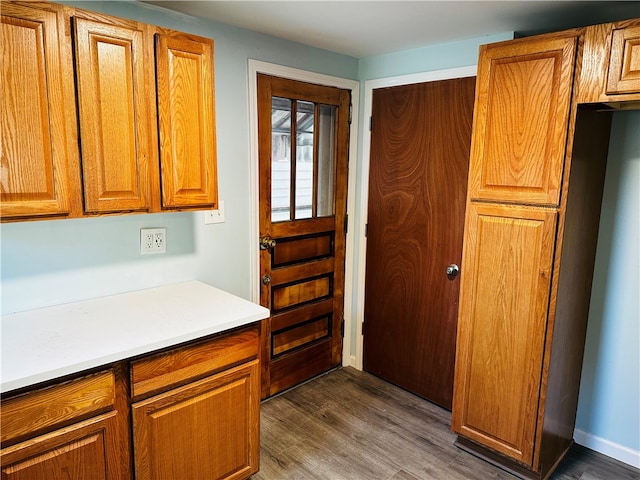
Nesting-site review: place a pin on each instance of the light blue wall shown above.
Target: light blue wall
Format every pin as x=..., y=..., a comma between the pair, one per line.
x=51, y=262
x=462, y=53
x=609, y=405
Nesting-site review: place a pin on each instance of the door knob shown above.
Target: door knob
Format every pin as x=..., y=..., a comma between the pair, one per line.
x=452, y=271
x=266, y=279
x=267, y=243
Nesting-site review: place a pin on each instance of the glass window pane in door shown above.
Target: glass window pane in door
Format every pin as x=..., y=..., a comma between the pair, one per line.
x=280, y=159
x=326, y=160
x=305, y=119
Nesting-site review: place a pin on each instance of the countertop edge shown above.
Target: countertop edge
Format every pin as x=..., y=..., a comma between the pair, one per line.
x=89, y=362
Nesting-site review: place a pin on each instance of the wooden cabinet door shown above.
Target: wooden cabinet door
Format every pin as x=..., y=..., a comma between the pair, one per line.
x=506, y=277
x=186, y=121
x=207, y=429
x=33, y=111
x=523, y=97
x=112, y=116
x=83, y=451
x=624, y=62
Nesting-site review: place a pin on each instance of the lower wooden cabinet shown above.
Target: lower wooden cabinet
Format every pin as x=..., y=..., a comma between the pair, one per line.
x=68, y=430
x=205, y=430
x=508, y=258
x=193, y=412
x=84, y=451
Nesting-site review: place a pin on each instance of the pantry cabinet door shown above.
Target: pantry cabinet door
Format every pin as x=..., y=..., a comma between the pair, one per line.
x=33, y=111
x=112, y=116
x=521, y=118
x=186, y=121
x=504, y=301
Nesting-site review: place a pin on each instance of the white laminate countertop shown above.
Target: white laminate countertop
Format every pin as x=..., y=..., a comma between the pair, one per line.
x=47, y=343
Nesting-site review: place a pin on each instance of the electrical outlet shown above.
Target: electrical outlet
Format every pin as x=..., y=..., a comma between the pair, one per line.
x=215, y=216
x=153, y=240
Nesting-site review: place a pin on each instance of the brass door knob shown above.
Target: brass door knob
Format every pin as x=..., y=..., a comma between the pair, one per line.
x=267, y=243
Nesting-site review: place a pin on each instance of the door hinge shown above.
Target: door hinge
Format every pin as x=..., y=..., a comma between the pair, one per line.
x=346, y=223
x=370, y=124
x=366, y=230
x=362, y=330
x=342, y=328
x=350, y=112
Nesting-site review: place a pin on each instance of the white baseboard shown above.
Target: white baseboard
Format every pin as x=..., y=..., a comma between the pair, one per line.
x=349, y=361
x=608, y=448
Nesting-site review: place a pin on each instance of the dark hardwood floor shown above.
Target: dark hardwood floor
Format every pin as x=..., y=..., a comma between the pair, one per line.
x=349, y=425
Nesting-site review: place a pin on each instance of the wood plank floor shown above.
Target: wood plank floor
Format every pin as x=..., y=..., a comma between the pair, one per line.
x=349, y=425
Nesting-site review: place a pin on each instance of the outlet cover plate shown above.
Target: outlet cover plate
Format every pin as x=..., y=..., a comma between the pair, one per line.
x=153, y=240
x=215, y=216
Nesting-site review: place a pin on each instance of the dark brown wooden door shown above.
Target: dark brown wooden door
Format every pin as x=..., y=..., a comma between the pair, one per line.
x=303, y=133
x=420, y=142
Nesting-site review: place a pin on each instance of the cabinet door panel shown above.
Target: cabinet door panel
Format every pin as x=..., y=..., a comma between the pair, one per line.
x=84, y=451
x=624, y=63
x=112, y=116
x=506, y=277
x=522, y=109
x=204, y=430
x=33, y=172
x=186, y=121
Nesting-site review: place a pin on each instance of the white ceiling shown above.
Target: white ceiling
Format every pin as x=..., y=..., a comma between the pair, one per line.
x=364, y=28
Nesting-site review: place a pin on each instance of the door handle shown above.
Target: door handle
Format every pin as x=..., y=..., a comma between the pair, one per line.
x=452, y=271
x=267, y=243
x=266, y=279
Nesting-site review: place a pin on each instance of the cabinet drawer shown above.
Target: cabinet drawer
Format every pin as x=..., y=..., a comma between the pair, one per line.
x=183, y=364
x=51, y=407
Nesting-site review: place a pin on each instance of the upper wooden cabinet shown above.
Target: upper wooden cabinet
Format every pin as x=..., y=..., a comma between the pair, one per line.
x=146, y=142
x=35, y=115
x=112, y=110
x=611, y=64
x=624, y=61
x=186, y=120
x=523, y=98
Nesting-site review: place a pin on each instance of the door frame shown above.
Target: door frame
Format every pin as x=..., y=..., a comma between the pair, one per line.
x=255, y=67
x=363, y=205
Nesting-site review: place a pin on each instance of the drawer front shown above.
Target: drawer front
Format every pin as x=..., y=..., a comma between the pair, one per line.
x=180, y=365
x=47, y=408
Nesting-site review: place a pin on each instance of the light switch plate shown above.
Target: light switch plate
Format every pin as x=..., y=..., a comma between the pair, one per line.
x=215, y=216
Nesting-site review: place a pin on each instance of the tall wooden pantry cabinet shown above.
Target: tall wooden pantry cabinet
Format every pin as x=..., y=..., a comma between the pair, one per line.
x=538, y=157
